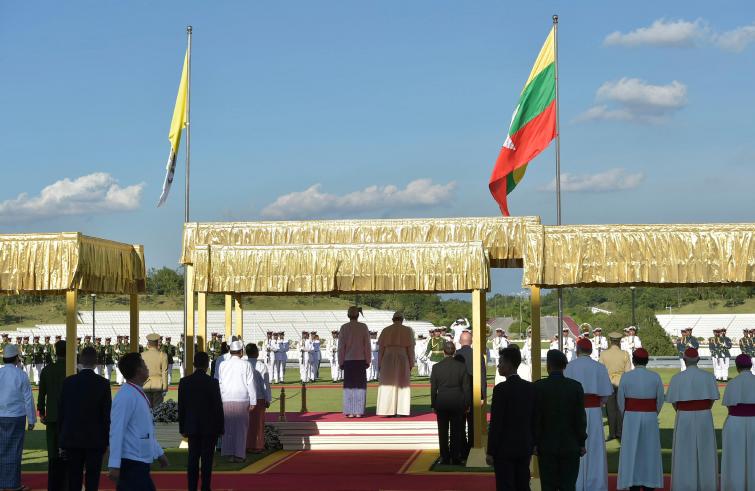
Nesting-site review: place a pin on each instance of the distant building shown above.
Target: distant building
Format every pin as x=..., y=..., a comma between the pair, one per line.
x=597, y=310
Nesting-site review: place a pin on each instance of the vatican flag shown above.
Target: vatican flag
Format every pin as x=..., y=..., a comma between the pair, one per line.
x=176, y=128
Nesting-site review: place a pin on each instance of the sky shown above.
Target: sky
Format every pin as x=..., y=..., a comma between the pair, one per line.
x=343, y=109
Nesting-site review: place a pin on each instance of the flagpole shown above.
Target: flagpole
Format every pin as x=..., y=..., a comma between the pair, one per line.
x=558, y=181
x=186, y=189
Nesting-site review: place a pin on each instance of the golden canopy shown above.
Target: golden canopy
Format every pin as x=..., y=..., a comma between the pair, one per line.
x=661, y=255
x=449, y=267
x=47, y=263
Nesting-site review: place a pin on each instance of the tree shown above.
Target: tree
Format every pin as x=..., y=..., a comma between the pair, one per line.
x=164, y=281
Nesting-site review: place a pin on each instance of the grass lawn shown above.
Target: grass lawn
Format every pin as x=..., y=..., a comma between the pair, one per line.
x=326, y=399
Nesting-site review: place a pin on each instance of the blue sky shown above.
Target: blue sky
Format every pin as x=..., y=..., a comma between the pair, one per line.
x=379, y=109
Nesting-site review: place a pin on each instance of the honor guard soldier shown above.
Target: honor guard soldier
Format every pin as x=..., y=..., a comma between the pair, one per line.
x=419, y=355
x=617, y=363
x=584, y=331
x=28, y=352
x=213, y=347
x=714, y=346
x=335, y=370
x=49, y=351
x=747, y=345
x=305, y=347
x=271, y=346
x=570, y=347
x=100, y=368
x=57, y=338
x=3, y=343
x=156, y=385
x=499, y=342
x=37, y=359
x=434, y=350
x=281, y=356
x=170, y=353
x=725, y=354
x=687, y=340
x=373, y=373
x=314, y=356
x=109, y=354
x=631, y=341
x=117, y=355
x=599, y=343
x=180, y=350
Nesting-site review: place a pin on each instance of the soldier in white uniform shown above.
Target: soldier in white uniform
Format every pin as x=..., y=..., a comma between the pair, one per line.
x=281, y=357
x=458, y=327
x=335, y=369
x=525, y=367
x=305, y=370
x=737, y=469
x=694, y=457
x=374, y=371
x=314, y=357
x=419, y=356
x=599, y=343
x=271, y=347
x=630, y=341
x=500, y=341
x=569, y=345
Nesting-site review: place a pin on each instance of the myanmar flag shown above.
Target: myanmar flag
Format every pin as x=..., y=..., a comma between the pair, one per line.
x=533, y=126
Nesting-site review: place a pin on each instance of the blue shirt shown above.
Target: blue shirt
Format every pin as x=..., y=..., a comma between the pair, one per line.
x=132, y=430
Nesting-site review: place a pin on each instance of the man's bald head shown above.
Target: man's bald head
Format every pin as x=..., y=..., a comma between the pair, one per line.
x=465, y=339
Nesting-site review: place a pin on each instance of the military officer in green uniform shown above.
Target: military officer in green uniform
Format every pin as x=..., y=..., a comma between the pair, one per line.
x=100, y=367
x=108, y=351
x=121, y=348
x=213, y=347
x=37, y=358
x=726, y=345
x=687, y=340
x=49, y=352
x=434, y=350
x=3, y=343
x=55, y=354
x=28, y=353
x=50, y=386
x=170, y=352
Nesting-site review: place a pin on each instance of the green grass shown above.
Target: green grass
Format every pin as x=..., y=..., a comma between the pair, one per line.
x=330, y=400
x=716, y=307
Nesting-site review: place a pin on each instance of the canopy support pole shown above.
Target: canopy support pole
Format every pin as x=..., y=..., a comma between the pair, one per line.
x=202, y=318
x=535, y=339
x=133, y=323
x=190, y=334
x=71, y=342
x=239, y=310
x=476, y=456
x=228, y=317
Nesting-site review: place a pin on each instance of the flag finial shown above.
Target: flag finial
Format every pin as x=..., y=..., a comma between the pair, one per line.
x=555, y=19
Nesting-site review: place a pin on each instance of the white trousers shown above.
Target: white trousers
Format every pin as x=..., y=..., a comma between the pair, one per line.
x=37, y=370
x=170, y=374
x=108, y=372
x=314, y=368
x=281, y=364
x=118, y=376
x=304, y=369
x=721, y=368
x=181, y=369
x=270, y=363
x=29, y=372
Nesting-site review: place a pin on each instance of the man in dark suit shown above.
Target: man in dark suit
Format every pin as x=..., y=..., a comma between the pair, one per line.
x=560, y=426
x=50, y=386
x=84, y=422
x=200, y=419
x=511, y=432
x=450, y=397
x=465, y=354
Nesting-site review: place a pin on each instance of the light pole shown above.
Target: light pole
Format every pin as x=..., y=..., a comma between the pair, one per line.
x=634, y=319
x=94, y=311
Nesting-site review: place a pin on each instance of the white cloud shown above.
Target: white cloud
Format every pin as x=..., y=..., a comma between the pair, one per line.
x=86, y=195
x=736, y=39
x=632, y=99
x=611, y=180
x=677, y=33
x=312, y=202
x=683, y=33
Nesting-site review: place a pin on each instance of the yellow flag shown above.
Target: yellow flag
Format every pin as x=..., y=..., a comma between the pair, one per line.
x=176, y=128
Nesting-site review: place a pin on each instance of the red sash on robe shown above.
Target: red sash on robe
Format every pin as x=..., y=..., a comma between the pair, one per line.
x=698, y=405
x=640, y=405
x=742, y=410
x=592, y=400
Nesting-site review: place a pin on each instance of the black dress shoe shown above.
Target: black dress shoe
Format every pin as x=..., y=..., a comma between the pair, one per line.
x=457, y=462
x=444, y=462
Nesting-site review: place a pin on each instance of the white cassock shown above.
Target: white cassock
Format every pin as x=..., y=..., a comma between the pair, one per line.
x=737, y=467
x=525, y=368
x=640, y=461
x=503, y=343
x=599, y=345
x=593, y=467
x=694, y=460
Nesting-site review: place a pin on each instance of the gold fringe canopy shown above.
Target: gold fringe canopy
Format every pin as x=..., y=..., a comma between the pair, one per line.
x=450, y=267
x=53, y=263
x=502, y=237
x=610, y=255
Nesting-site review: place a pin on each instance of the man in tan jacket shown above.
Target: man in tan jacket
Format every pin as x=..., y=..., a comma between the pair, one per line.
x=157, y=362
x=617, y=363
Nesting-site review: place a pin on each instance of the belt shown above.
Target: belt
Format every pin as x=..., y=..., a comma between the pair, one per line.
x=698, y=405
x=640, y=405
x=592, y=400
x=742, y=410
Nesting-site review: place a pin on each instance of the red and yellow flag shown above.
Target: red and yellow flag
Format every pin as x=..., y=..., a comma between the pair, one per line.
x=533, y=126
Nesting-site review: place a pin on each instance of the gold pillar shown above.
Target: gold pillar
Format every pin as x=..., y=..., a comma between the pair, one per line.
x=133, y=323
x=228, y=316
x=189, y=293
x=71, y=348
x=239, y=321
x=476, y=456
x=535, y=340
x=202, y=324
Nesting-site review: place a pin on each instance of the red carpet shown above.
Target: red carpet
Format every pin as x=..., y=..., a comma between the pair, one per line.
x=348, y=463
x=340, y=418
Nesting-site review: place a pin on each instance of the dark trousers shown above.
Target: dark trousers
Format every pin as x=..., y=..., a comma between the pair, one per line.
x=81, y=460
x=615, y=417
x=200, y=448
x=454, y=420
x=469, y=441
x=558, y=472
x=56, y=467
x=134, y=477
x=512, y=473
x=640, y=488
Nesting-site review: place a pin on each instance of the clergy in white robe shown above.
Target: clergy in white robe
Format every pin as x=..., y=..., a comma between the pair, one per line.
x=694, y=461
x=593, y=467
x=396, y=344
x=641, y=399
x=737, y=468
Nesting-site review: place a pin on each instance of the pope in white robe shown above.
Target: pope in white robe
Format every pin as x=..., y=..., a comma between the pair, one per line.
x=640, y=398
x=593, y=467
x=396, y=344
x=737, y=461
x=694, y=460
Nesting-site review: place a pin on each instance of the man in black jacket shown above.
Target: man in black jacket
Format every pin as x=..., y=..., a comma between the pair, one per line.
x=560, y=426
x=465, y=354
x=200, y=419
x=511, y=431
x=50, y=386
x=450, y=398
x=84, y=422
